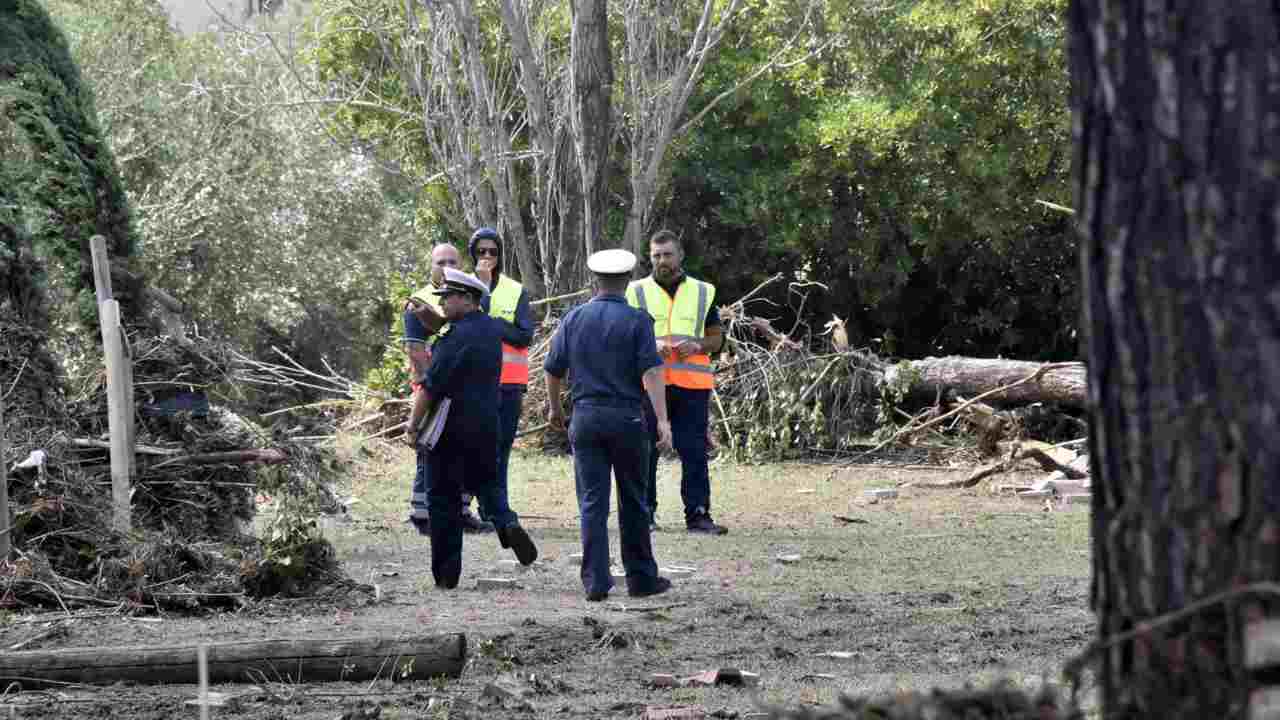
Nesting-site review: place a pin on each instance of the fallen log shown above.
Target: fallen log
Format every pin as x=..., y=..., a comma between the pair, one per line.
x=298, y=661
x=1063, y=383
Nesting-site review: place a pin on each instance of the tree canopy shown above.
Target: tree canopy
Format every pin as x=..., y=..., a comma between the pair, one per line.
x=59, y=171
x=288, y=175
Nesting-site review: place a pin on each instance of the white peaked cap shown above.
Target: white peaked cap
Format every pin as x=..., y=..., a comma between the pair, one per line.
x=456, y=280
x=611, y=262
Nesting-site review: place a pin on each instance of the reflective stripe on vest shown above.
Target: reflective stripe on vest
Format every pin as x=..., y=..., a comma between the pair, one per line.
x=683, y=317
x=502, y=305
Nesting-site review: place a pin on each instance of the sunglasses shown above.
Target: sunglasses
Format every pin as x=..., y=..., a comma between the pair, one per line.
x=487, y=251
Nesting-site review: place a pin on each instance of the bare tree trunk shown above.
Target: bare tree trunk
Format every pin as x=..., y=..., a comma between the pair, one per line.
x=970, y=377
x=592, y=62
x=1176, y=112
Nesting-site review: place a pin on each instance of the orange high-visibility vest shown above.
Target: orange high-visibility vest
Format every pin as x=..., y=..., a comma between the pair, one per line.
x=683, y=317
x=502, y=305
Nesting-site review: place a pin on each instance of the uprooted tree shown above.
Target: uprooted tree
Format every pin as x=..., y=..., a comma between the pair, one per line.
x=1175, y=109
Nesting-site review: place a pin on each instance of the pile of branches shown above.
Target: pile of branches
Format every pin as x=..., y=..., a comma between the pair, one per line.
x=201, y=470
x=781, y=395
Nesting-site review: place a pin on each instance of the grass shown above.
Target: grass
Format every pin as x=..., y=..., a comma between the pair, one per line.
x=923, y=540
x=935, y=587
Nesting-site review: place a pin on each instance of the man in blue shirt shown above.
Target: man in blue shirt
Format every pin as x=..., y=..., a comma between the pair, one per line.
x=464, y=370
x=609, y=350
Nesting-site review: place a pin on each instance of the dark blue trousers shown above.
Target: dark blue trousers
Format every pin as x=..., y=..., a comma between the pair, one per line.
x=608, y=439
x=452, y=471
x=419, y=501
x=688, y=412
x=511, y=402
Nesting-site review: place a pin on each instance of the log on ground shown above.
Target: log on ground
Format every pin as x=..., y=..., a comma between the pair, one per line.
x=350, y=659
x=1064, y=384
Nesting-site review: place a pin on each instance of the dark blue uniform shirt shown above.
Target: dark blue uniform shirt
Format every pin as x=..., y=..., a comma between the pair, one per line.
x=414, y=329
x=465, y=367
x=609, y=346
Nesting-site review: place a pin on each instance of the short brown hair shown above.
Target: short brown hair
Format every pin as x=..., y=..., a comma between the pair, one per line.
x=665, y=237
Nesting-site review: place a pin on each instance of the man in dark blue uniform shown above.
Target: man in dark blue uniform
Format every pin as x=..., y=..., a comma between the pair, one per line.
x=465, y=367
x=422, y=322
x=609, y=349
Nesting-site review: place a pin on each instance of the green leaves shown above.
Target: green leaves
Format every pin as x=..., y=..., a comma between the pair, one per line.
x=901, y=166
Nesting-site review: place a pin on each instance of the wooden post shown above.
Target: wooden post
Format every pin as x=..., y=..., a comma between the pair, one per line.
x=117, y=414
x=4, y=487
x=101, y=269
x=119, y=387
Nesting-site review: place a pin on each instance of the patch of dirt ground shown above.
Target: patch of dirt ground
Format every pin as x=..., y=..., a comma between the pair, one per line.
x=935, y=588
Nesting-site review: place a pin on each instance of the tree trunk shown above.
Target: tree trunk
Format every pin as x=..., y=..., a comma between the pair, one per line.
x=347, y=659
x=1176, y=109
x=970, y=377
x=592, y=123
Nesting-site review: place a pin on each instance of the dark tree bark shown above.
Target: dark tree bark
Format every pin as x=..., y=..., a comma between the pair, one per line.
x=592, y=85
x=1177, y=140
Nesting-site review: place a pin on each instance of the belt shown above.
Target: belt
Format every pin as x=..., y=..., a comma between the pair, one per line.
x=609, y=402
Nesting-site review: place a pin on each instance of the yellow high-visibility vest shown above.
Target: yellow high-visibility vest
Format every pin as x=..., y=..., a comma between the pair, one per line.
x=683, y=317
x=426, y=295
x=502, y=305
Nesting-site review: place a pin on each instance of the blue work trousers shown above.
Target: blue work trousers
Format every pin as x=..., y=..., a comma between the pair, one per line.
x=420, y=500
x=609, y=438
x=511, y=402
x=511, y=399
x=452, y=471
x=687, y=410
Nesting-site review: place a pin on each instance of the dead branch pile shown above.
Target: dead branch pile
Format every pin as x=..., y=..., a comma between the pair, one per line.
x=775, y=398
x=199, y=469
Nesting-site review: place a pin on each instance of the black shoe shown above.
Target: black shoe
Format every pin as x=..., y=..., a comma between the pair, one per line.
x=702, y=525
x=521, y=544
x=597, y=596
x=473, y=524
x=660, y=586
x=422, y=525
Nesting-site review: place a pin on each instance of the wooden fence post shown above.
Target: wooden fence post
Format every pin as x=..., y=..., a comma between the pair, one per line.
x=119, y=388
x=4, y=486
x=118, y=418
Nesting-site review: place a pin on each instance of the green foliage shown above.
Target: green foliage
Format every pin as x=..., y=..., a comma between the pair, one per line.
x=58, y=164
x=899, y=168
x=250, y=213
x=391, y=375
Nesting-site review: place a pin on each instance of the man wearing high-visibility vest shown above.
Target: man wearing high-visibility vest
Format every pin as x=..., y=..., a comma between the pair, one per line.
x=423, y=325
x=686, y=325
x=508, y=302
